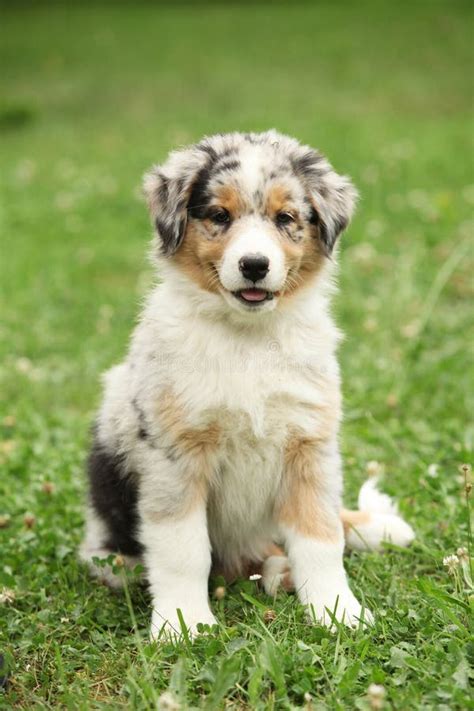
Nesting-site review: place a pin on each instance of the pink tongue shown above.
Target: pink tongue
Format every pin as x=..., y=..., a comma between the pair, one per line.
x=253, y=294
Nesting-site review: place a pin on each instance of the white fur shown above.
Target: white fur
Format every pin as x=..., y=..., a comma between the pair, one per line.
x=373, y=500
x=253, y=237
x=251, y=158
x=274, y=570
x=178, y=561
x=320, y=580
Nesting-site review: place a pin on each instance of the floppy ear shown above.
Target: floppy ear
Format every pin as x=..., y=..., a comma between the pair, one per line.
x=333, y=197
x=167, y=189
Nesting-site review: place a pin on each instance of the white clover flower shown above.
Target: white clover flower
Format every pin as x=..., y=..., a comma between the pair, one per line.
x=119, y=561
x=451, y=562
x=373, y=468
x=255, y=576
x=7, y=596
x=376, y=695
x=433, y=471
x=167, y=702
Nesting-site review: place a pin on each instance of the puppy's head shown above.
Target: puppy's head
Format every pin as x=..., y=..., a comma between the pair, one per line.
x=250, y=217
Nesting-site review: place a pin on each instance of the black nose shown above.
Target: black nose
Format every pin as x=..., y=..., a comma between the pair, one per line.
x=254, y=266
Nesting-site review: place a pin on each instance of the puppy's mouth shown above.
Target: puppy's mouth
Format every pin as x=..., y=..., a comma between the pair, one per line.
x=254, y=297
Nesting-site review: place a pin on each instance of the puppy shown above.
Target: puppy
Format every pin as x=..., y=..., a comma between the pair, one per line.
x=217, y=438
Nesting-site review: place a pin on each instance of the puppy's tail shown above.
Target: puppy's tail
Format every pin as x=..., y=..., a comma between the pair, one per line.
x=377, y=521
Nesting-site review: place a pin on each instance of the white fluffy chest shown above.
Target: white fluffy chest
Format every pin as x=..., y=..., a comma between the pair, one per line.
x=257, y=387
x=249, y=472
x=244, y=490
x=267, y=385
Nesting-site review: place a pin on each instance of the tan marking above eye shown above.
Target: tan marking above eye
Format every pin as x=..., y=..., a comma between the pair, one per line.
x=229, y=198
x=278, y=200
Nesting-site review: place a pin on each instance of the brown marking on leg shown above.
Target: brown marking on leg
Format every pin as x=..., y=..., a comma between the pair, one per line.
x=287, y=582
x=191, y=450
x=303, y=506
x=199, y=442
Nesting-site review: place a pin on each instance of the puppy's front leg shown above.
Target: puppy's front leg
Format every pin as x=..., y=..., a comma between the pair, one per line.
x=311, y=530
x=178, y=560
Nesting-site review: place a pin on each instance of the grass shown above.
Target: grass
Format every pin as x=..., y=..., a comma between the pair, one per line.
x=91, y=96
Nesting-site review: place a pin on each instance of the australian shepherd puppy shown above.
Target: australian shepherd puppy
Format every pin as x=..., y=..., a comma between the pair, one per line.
x=217, y=440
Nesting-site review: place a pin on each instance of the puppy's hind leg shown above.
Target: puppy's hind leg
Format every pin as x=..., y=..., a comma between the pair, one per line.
x=111, y=518
x=95, y=545
x=276, y=572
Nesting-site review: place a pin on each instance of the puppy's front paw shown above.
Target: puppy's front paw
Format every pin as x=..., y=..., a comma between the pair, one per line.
x=165, y=622
x=342, y=606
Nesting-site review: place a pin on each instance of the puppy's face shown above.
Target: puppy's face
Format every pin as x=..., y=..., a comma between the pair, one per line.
x=251, y=217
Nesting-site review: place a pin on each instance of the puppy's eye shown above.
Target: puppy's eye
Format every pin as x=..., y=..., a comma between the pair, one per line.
x=220, y=217
x=284, y=218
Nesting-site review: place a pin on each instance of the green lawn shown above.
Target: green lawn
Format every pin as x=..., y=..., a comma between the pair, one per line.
x=89, y=98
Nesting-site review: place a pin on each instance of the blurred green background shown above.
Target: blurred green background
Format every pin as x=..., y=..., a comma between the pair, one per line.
x=91, y=94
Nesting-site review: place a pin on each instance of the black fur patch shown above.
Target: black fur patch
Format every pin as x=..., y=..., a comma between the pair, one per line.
x=114, y=498
x=143, y=432
x=329, y=236
x=163, y=191
x=314, y=217
x=325, y=235
x=226, y=165
x=211, y=152
x=307, y=164
x=169, y=239
x=199, y=199
x=254, y=140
